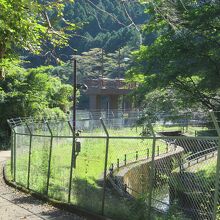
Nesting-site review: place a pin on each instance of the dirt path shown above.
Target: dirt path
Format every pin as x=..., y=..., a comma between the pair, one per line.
x=16, y=205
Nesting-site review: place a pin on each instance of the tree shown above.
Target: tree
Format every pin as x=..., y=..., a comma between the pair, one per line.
x=105, y=20
x=183, y=59
x=32, y=92
x=96, y=63
x=31, y=25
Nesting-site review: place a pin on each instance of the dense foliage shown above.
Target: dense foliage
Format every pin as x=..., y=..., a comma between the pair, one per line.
x=33, y=26
x=95, y=63
x=107, y=24
x=182, y=64
x=32, y=92
x=37, y=27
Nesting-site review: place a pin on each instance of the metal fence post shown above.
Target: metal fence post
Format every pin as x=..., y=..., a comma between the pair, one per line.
x=49, y=159
x=217, y=177
x=118, y=163
x=14, y=156
x=12, y=152
x=152, y=169
x=29, y=156
x=148, y=153
x=105, y=166
x=73, y=163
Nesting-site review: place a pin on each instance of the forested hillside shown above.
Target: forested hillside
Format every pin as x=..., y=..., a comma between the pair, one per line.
x=107, y=24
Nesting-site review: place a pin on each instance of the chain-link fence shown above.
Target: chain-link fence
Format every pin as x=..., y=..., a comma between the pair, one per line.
x=164, y=166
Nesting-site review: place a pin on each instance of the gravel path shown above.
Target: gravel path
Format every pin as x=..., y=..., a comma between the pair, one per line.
x=17, y=205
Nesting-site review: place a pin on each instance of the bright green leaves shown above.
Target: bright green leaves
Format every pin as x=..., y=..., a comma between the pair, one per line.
x=35, y=92
x=184, y=57
x=30, y=25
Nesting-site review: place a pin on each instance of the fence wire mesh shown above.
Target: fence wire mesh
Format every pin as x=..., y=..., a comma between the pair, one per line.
x=122, y=167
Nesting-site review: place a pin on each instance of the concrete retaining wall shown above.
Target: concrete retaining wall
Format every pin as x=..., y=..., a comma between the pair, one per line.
x=137, y=175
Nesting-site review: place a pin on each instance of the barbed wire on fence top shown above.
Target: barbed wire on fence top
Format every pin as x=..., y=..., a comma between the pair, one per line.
x=125, y=119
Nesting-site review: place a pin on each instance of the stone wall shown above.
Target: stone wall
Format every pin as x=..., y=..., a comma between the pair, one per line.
x=136, y=176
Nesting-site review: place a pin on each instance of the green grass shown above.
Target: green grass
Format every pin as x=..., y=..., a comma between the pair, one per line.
x=187, y=130
x=203, y=174
x=196, y=185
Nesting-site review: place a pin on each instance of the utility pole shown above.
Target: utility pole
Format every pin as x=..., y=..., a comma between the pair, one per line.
x=74, y=94
x=73, y=154
x=102, y=63
x=119, y=63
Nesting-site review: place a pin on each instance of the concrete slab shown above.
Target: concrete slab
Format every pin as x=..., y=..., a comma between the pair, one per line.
x=5, y=155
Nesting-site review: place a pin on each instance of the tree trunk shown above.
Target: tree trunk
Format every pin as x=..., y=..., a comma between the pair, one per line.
x=2, y=73
x=2, y=70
